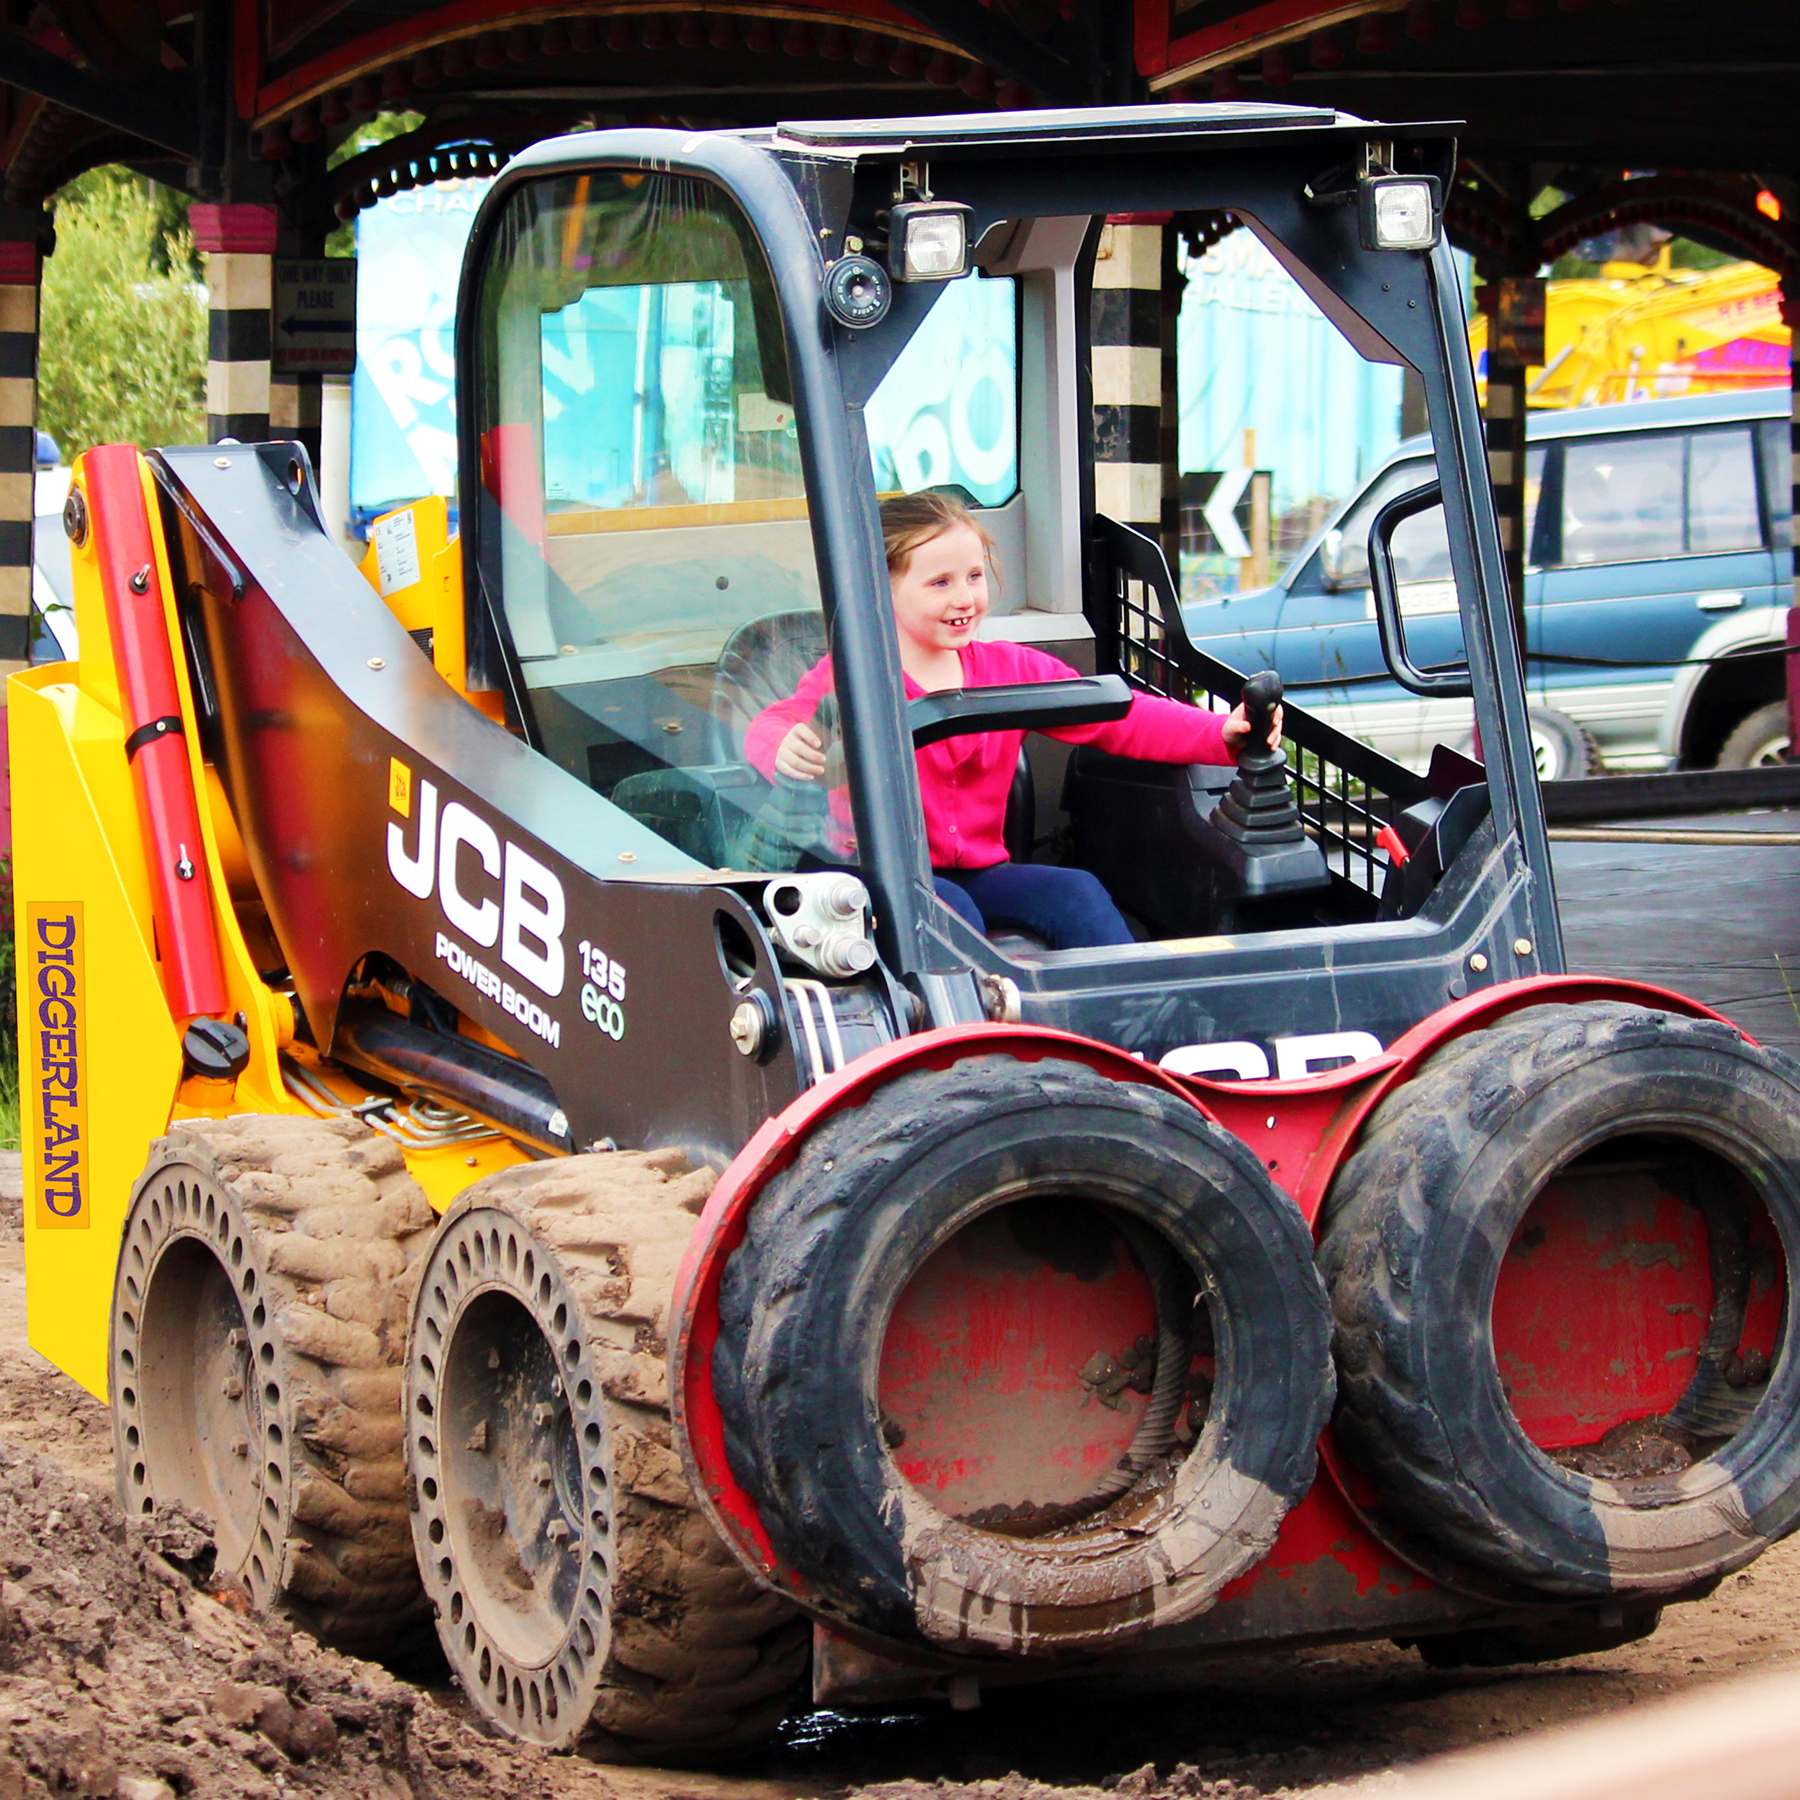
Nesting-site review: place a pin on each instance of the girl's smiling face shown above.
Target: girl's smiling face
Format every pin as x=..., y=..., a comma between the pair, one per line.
x=941, y=596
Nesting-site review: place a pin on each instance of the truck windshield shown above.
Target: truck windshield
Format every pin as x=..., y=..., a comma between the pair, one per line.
x=644, y=514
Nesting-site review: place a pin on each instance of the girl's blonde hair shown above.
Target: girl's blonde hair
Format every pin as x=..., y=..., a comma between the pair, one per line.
x=910, y=520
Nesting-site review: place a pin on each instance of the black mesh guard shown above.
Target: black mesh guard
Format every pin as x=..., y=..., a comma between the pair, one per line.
x=1346, y=791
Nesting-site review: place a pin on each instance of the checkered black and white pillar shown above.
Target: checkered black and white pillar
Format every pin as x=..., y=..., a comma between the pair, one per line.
x=19, y=268
x=295, y=410
x=238, y=242
x=1127, y=371
x=1506, y=469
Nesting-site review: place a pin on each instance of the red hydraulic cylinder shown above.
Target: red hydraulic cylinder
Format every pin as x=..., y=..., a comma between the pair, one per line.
x=155, y=742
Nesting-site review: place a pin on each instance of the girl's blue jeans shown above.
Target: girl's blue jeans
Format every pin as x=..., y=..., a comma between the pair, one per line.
x=1067, y=908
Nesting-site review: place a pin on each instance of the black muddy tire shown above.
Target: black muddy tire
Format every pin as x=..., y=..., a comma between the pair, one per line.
x=835, y=1239
x=258, y=1328
x=1415, y=1230
x=581, y=1596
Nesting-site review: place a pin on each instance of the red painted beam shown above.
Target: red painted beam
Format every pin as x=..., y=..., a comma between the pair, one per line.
x=445, y=24
x=1164, y=62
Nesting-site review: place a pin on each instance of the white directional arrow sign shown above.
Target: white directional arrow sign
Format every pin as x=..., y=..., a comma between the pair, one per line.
x=314, y=317
x=1219, y=515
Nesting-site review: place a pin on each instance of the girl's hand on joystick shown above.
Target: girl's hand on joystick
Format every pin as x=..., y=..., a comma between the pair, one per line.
x=1237, y=729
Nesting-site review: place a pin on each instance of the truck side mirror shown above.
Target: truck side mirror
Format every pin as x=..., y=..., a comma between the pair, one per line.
x=1331, y=558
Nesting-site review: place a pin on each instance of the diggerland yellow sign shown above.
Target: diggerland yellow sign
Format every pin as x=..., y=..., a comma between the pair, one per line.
x=53, y=1023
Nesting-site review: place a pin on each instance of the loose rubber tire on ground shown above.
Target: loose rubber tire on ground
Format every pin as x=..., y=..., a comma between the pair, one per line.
x=1415, y=1228
x=835, y=1238
x=582, y=1598
x=1759, y=742
x=258, y=1327
x=1561, y=749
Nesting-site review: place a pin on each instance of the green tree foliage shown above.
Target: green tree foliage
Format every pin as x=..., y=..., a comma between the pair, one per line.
x=123, y=351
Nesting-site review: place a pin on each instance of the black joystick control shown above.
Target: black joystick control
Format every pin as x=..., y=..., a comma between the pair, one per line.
x=1259, y=807
x=1261, y=697
x=1254, y=838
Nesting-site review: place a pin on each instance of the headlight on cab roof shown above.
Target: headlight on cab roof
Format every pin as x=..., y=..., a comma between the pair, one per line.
x=1398, y=212
x=928, y=240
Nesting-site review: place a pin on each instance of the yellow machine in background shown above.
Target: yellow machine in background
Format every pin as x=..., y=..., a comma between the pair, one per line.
x=1633, y=333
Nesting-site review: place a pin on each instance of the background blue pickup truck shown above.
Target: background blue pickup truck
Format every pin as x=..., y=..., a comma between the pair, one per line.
x=1659, y=569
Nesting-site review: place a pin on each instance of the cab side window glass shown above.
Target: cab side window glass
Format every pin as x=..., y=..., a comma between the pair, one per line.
x=1622, y=498
x=643, y=513
x=1421, y=548
x=1722, y=509
x=1628, y=499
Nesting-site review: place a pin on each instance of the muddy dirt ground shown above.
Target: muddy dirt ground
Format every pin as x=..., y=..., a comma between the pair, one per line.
x=121, y=1680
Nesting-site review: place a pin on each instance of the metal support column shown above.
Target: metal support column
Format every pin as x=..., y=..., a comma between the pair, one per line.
x=1128, y=371
x=1790, y=316
x=1171, y=287
x=295, y=410
x=19, y=271
x=238, y=242
x=296, y=398
x=1506, y=471
x=1514, y=305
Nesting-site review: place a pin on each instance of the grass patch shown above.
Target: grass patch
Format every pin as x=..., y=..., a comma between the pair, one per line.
x=9, y=1097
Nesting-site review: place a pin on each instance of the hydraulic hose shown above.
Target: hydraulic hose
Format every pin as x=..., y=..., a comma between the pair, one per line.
x=1169, y=1385
x=1168, y=1389
x=499, y=1090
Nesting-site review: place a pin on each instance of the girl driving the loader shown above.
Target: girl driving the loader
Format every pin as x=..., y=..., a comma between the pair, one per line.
x=937, y=558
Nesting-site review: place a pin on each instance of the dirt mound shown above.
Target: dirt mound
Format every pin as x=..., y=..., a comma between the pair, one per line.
x=122, y=1678
x=44, y=1410
x=1184, y=1782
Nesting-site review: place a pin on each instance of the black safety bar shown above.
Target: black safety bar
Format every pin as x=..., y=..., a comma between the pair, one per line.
x=1018, y=706
x=1346, y=791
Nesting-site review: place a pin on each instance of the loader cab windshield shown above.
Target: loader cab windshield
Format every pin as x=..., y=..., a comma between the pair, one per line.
x=644, y=515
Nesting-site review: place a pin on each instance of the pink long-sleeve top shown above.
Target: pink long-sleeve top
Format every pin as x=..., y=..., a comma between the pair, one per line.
x=964, y=781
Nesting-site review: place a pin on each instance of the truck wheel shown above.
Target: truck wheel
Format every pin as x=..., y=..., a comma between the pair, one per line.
x=581, y=1596
x=1562, y=749
x=258, y=1324
x=1017, y=1357
x=1760, y=741
x=1559, y=1262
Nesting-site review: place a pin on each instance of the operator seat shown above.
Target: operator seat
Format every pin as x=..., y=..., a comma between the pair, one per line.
x=762, y=662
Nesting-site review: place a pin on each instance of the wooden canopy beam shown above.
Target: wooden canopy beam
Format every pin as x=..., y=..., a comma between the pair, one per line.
x=161, y=109
x=990, y=37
